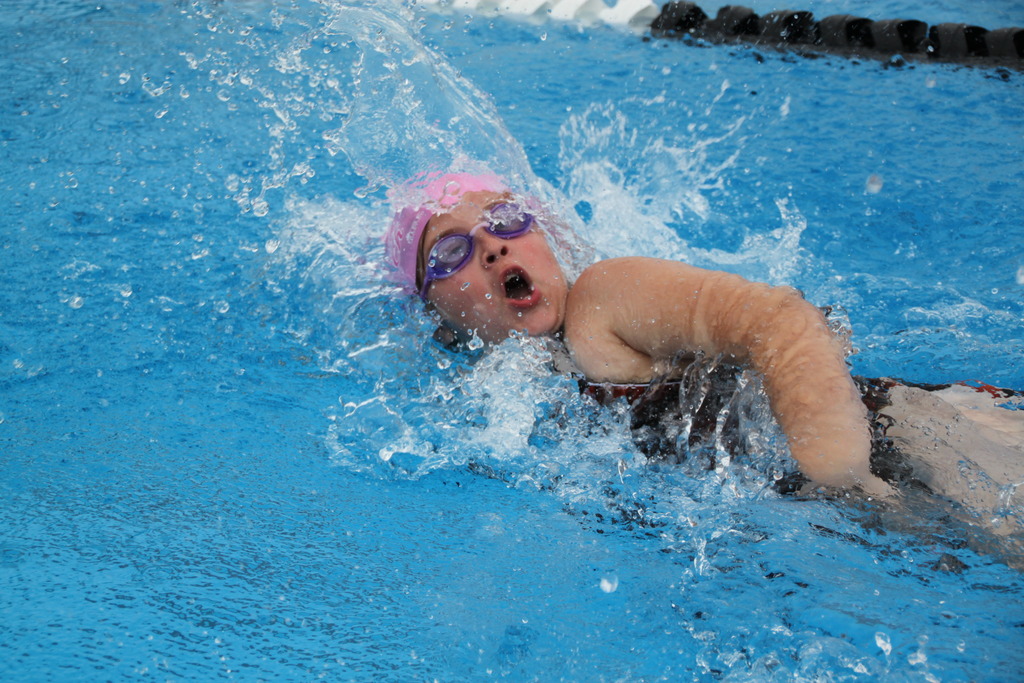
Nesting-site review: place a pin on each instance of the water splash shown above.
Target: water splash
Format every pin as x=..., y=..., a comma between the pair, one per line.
x=779, y=249
x=639, y=187
x=407, y=108
x=362, y=81
x=408, y=408
x=651, y=196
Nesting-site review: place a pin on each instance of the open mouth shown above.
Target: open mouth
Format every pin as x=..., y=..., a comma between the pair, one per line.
x=517, y=285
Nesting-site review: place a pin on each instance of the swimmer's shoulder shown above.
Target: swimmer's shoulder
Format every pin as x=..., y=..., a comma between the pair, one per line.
x=630, y=291
x=627, y=278
x=605, y=292
x=601, y=298
x=624, y=266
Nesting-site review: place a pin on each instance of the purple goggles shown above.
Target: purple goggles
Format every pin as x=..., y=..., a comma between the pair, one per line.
x=451, y=253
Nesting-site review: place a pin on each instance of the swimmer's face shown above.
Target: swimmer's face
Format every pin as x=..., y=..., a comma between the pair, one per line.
x=507, y=285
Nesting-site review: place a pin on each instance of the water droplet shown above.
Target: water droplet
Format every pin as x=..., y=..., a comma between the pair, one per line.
x=609, y=584
x=124, y=77
x=126, y=291
x=465, y=285
x=272, y=245
x=488, y=296
x=1020, y=276
x=883, y=643
x=76, y=302
x=874, y=184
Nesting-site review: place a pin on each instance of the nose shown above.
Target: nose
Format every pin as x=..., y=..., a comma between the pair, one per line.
x=491, y=248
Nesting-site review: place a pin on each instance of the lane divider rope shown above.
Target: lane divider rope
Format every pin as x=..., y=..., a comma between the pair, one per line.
x=895, y=40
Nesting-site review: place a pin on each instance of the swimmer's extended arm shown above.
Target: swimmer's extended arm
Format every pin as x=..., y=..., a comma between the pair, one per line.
x=625, y=314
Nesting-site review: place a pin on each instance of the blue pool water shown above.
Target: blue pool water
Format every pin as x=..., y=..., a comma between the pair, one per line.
x=230, y=452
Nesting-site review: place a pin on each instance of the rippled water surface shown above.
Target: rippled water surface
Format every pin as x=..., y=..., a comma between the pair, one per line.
x=230, y=449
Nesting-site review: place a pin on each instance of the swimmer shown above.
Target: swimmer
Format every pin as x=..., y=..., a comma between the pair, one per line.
x=477, y=254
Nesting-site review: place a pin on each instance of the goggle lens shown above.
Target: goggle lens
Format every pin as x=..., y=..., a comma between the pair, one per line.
x=449, y=254
x=508, y=220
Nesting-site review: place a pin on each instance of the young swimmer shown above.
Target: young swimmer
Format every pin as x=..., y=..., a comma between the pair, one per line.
x=478, y=256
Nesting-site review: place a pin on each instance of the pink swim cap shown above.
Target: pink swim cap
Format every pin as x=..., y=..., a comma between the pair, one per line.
x=417, y=202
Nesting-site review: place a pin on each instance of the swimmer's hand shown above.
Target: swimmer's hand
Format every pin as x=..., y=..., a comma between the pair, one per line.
x=876, y=488
x=867, y=485
x=625, y=315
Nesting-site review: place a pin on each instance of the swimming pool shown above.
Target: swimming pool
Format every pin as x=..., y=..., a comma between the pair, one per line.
x=230, y=452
